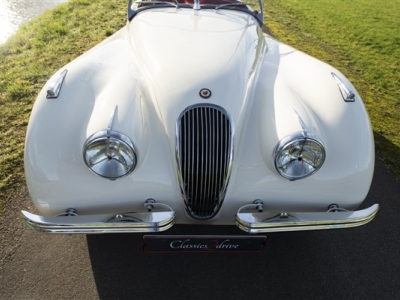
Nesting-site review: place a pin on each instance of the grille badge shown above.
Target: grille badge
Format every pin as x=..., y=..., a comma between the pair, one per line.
x=205, y=93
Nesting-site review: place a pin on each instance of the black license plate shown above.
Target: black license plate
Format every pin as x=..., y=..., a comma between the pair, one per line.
x=203, y=243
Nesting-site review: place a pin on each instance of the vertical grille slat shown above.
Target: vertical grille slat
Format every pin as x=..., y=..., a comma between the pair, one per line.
x=201, y=123
x=193, y=155
x=221, y=160
x=213, y=156
x=204, y=148
x=209, y=162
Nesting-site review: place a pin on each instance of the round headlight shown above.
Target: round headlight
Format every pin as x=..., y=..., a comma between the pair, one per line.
x=299, y=156
x=110, y=154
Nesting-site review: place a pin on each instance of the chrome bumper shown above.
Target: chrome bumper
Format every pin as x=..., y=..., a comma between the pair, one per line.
x=261, y=222
x=296, y=221
x=117, y=223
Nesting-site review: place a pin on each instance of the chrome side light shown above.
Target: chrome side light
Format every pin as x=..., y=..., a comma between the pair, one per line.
x=54, y=87
x=346, y=91
x=110, y=154
x=299, y=156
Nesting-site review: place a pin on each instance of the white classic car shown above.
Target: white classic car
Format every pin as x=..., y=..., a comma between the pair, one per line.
x=191, y=114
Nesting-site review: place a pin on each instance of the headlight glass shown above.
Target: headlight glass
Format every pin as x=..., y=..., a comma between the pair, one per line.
x=110, y=154
x=299, y=156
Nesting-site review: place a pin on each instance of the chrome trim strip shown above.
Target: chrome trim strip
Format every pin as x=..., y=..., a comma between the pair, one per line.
x=111, y=122
x=298, y=221
x=105, y=223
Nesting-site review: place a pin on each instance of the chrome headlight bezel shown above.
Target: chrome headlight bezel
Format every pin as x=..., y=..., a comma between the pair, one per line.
x=113, y=138
x=298, y=139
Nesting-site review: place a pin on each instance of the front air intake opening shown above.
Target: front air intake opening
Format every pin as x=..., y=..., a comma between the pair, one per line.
x=204, y=154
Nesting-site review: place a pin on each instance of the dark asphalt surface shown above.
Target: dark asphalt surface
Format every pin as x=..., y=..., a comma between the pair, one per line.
x=358, y=263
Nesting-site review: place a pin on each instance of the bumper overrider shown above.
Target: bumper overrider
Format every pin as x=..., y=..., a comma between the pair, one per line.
x=250, y=222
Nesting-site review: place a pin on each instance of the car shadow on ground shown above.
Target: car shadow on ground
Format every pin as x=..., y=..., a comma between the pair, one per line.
x=357, y=263
x=385, y=148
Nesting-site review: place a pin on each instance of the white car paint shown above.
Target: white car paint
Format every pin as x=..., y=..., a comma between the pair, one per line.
x=152, y=70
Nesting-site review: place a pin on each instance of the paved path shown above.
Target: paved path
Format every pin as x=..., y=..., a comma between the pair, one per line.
x=359, y=263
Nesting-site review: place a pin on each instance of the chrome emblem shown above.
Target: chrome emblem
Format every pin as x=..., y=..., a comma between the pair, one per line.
x=205, y=93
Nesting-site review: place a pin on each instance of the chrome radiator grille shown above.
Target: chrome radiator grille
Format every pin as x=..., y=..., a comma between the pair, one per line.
x=204, y=154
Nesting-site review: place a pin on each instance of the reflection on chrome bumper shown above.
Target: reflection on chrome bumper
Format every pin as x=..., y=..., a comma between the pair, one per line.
x=117, y=223
x=296, y=221
x=261, y=222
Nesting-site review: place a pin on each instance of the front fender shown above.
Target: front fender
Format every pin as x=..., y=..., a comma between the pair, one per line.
x=295, y=92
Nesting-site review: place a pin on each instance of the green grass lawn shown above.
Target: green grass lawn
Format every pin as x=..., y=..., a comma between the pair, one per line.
x=360, y=37
x=28, y=59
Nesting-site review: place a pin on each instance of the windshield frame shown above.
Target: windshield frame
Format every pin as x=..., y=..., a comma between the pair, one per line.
x=234, y=5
